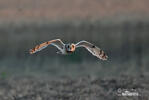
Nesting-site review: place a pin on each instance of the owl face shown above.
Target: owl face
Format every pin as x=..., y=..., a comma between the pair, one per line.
x=70, y=47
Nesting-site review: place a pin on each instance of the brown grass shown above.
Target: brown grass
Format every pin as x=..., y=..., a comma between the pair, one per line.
x=53, y=9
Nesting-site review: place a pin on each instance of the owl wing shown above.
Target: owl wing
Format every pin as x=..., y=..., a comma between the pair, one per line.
x=57, y=43
x=92, y=49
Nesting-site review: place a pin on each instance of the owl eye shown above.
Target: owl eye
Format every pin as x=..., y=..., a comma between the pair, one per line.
x=68, y=46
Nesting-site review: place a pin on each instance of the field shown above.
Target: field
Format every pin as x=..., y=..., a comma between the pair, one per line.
x=81, y=88
x=126, y=44
x=69, y=9
x=119, y=27
x=79, y=76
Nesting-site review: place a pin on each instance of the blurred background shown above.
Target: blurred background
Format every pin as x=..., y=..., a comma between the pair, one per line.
x=119, y=27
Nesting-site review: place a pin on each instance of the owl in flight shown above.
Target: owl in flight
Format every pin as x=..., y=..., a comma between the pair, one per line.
x=70, y=48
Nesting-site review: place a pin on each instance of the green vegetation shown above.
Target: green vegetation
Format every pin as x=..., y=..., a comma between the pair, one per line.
x=125, y=42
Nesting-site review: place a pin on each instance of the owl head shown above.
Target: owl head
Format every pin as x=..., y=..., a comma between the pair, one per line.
x=70, y=47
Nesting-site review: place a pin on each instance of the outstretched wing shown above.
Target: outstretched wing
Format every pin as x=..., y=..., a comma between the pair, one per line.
x=92, y=49
x=57, y=42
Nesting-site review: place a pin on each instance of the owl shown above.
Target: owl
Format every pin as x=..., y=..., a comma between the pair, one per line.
x=71, y=47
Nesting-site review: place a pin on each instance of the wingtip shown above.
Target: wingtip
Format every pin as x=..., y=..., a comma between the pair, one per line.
x=104, y=58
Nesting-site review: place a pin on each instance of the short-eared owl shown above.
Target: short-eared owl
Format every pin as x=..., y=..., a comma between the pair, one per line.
x=69, y=48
